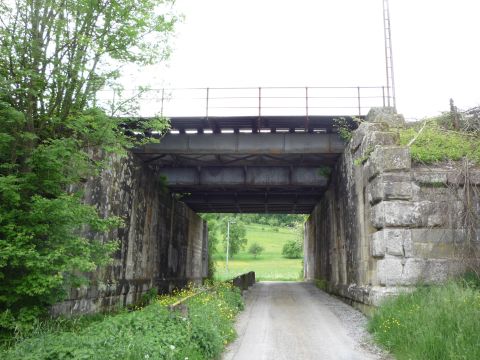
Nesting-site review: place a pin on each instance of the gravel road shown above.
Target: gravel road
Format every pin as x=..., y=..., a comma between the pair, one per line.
x=296, y=320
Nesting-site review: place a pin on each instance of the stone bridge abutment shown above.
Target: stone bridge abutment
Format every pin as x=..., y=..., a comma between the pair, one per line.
x=385, y=224
x=162, y=244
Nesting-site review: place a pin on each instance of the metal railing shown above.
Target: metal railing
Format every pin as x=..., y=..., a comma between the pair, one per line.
x=257, y=101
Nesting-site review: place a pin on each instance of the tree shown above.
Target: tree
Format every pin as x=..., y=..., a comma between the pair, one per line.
x=238, y=237
x=293, y=249
x=54, y=57
x=255, y=249
x=213, y=226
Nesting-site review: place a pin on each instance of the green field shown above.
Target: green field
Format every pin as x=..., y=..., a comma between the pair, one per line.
x=269, y=265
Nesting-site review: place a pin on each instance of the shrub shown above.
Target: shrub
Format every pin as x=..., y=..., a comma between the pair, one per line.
x=293, y=249
x=255, y=249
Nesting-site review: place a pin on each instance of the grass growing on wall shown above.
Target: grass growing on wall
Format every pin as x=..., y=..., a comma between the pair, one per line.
x=152, y=332
x=270, y=264
x=435, y=323
x=437, y=144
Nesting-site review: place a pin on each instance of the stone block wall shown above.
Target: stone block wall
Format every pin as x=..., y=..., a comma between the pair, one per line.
x=163, y=243
x=385, y=224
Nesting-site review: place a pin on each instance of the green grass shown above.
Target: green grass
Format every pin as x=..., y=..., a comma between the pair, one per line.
x=436, y=144
x=152, y=332
x=269, y=265
x=435, y=323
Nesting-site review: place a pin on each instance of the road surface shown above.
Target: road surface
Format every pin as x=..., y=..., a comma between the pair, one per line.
x=292, y=320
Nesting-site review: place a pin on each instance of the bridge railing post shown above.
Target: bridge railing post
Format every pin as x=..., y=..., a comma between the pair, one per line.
x=163, y=99
x=359, y=104
x=206, y=105
x=259, y=102
x=306, y=109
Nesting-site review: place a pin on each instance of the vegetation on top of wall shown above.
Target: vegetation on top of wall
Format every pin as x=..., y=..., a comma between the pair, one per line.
x=442, y=139
x=344, y=127
x=437, y=322
x=152, y=332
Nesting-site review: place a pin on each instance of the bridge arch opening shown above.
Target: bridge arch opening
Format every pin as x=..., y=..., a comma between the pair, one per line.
x=249, y=165
x=271, y=245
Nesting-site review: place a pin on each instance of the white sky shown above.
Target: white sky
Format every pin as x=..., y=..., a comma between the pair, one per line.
x=234, y=43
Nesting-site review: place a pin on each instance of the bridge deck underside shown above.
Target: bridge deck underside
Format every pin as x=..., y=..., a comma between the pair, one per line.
x=257, y=123
x=235, y=172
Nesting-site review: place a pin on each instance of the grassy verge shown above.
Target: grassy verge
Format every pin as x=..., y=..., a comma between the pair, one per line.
x=437, y=322
x=152, y=332
x=270, y=264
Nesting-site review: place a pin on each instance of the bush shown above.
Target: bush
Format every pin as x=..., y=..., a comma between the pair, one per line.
x=255, y=249
x=149, y=333
x=437, y=322
x=293, y=249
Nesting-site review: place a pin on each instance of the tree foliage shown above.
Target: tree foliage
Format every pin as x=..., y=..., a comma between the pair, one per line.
x=293, y=249
x=54, y=57
x=255, y=249
x=237, y=239
x=213, y=225
x=272, y=219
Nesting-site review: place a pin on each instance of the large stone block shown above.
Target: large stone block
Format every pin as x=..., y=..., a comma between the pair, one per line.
x=378, y=294
x=436, y=193
x=409, y=214
x=439, y=270
x=396, y=214
x=395, y=271
x=387, y=115
x=395, y=242
x=364, y=129
x=437, y=243
x=376, y=138
x=378, y=246
x=390, y=186
x=430, y=177
x=389, y=158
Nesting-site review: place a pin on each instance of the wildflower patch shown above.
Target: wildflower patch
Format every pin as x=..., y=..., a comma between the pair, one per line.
x=150, y=332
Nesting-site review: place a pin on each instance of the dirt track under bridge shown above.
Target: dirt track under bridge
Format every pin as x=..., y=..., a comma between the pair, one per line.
x=294, y=320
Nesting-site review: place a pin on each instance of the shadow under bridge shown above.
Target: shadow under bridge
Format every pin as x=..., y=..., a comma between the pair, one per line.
x=247, y=164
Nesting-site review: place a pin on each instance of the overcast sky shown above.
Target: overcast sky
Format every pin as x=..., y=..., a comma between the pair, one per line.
x=231, y=43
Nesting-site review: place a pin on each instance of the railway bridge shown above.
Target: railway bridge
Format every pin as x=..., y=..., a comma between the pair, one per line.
x=250, y=151
x=377, y=223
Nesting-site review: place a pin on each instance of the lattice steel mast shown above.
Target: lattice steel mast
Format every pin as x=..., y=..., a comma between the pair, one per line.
x=391, y=101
